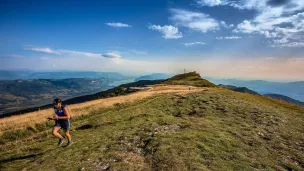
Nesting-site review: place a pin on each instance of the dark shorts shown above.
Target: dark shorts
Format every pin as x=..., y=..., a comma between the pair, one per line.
x=64, y=124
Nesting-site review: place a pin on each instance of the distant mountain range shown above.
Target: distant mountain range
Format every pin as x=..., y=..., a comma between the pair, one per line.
x=116, y=91
x=238, y=89
x=294, y=90
x=19, y=94
x=155, y=76
x=273, y=96
x=27, y=74
x=285, y=98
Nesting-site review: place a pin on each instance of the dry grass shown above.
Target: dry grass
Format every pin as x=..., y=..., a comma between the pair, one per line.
x=216, y=129
x=32, y=118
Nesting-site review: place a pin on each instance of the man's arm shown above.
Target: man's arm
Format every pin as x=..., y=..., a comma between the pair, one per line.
x=55, y=117
x=67, y=114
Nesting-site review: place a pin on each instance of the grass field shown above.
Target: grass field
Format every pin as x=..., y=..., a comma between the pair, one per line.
x=206, y=129
x=31, y=119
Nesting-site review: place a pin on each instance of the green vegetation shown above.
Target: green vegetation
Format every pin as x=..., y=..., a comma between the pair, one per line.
x=22, y=133
x=216, y=129
x=238, y=89
x=20, y=94
x=285, y=98
x=191, y=79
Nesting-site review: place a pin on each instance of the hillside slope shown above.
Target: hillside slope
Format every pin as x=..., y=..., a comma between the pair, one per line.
x=238, y=89
x=213, y=129
x=21, y=94
x=190, y=79
x=285, y=98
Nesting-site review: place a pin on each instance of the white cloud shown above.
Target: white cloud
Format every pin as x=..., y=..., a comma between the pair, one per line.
x=269, y=58
x=64, y=52
x=238, y=67
x=194, y=20
x=118, y=25
x=275, y=19
x=228, y=38
x=280, y=41
x=128, y=52
x=111, y=55
x=223, y=23
x=43, y=50
x=15, y=56
x=79, y=53
x=280, y=21
x=293, y=44
x=296, y=60
x=169, y=32
x=210, y=3
x=194, y=43
x=245, y=27
x=137, y=52
x=44, y=58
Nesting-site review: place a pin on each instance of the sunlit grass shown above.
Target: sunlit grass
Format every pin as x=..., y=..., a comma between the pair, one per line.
x=215, y=129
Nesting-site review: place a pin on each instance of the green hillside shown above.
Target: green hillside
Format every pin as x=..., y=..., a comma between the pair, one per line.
x=16, y=95
x=191, y=79
x=285, y=98
x=238, y=89
x=215, y=129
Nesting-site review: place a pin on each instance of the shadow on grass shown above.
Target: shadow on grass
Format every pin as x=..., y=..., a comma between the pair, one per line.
x=86, y=126
x=20, y=158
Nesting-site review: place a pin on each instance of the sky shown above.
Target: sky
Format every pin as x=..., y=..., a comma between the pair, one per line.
x=246, y=39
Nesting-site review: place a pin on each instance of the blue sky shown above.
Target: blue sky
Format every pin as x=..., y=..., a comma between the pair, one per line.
x=251, y=39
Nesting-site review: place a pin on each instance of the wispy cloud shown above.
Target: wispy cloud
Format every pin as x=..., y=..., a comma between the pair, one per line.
x=63, y=52
x=118, y=25
x=269, y=58
x=111, y=55
x=194, y=20
x=43, y=50
x=168, y=31
x=296, y=60
x=194, y=43
x=245, y=27
x=293, y=44
x=138, y=52
x=210, y=3
x=281, y=21
x=79, y=53
x=223, y=24
x=124, y=52
x=14, y=56
x=44, y=58
x=228, y=38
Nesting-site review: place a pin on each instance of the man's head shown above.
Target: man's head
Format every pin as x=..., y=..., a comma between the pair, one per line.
x=57, y=103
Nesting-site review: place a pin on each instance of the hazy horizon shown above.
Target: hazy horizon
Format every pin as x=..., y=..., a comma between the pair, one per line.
x=246, y=39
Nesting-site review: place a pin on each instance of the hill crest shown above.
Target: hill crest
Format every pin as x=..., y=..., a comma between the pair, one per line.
x=190, y=78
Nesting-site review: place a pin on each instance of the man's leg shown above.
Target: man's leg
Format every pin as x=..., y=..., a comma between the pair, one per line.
x=55, y=132
x=68, y=135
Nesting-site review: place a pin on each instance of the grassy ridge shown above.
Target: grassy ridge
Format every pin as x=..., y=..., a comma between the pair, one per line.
x=191, y=79
x=212, y=130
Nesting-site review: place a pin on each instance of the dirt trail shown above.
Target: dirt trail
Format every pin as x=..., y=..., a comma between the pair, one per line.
x=21, y=121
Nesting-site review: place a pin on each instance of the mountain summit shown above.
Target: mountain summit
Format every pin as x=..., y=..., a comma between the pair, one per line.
x=191, y=79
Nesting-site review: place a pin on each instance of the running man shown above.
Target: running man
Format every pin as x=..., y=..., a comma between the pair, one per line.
x=62, y=120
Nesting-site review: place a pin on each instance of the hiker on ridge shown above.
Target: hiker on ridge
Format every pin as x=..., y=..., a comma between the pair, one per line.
x=62, y=120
